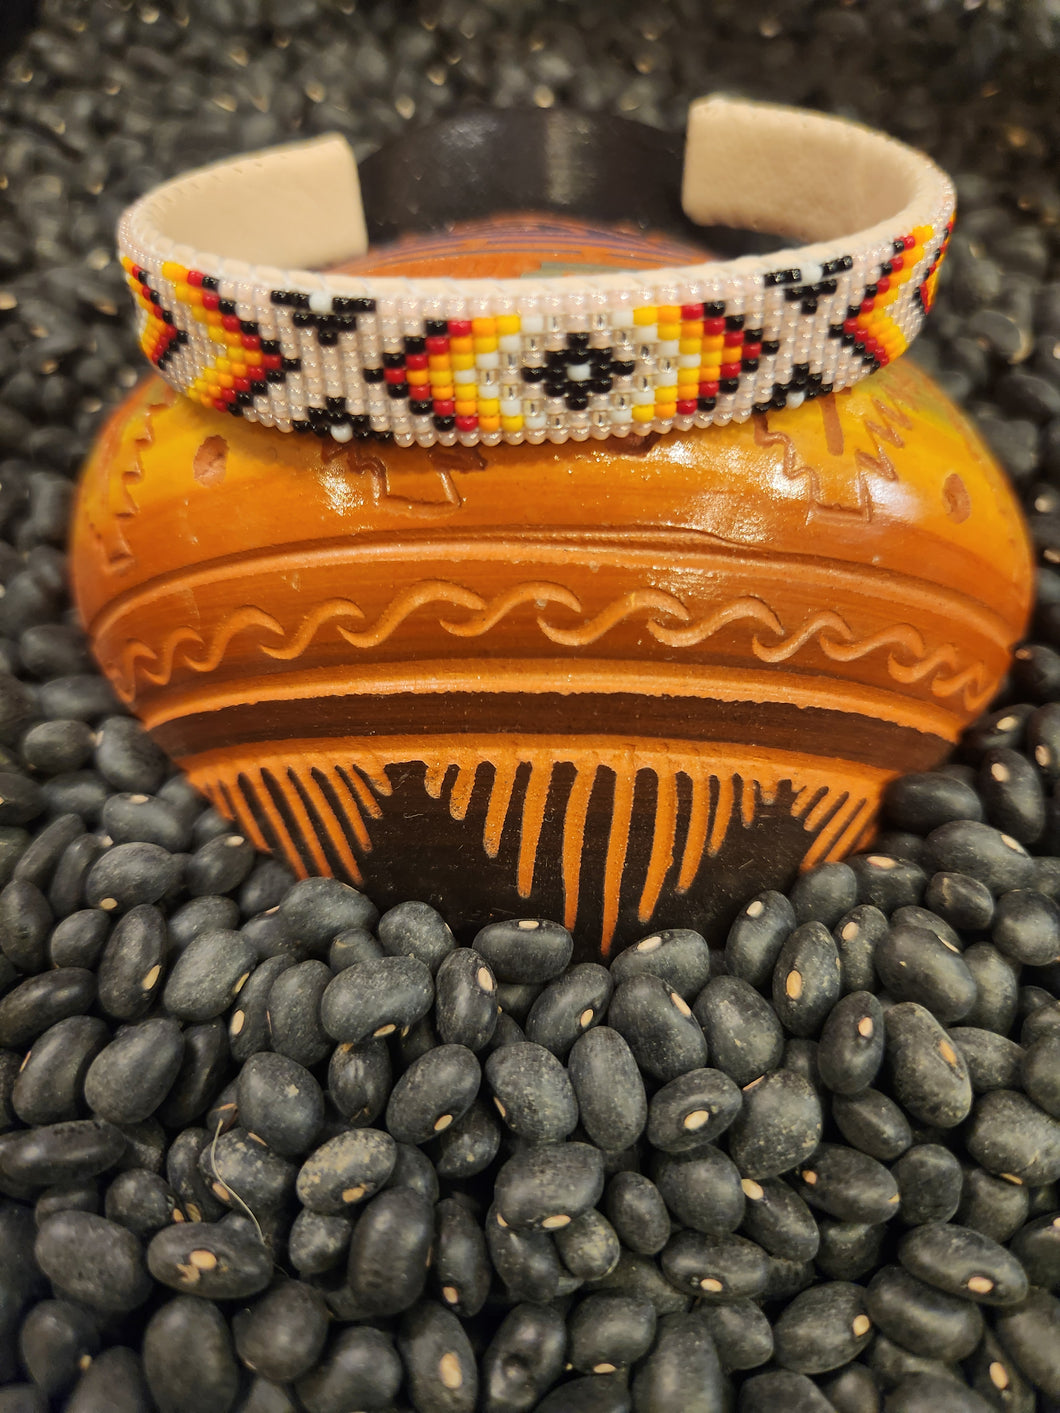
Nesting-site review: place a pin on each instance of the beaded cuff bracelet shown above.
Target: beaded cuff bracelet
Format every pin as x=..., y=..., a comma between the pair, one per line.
x=250, y=328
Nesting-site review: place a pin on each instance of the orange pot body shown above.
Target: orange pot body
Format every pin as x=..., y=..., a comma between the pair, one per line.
x=622, y=684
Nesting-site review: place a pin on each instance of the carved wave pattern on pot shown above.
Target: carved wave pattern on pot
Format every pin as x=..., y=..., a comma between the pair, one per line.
x=910, y=660
x=319, y=807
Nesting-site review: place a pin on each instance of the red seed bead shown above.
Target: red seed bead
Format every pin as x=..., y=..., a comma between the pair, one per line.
x=256, y=375
x=883, y=284
x=733, y=337
x=195, y=278
x=444, y=407
x=394, y=375
x=730, y=370
x=686, y=406
x=230, y=322
x=242, y=384
x=416, y=360
x=708, y=389
x=752, y=350
x=714, y=326
x=897, y=262
x=467, y=424
x=690, y=312
x=252, y=341
x=459, y=328
x=437, y=344
x=867, y=306
x=909, y=241
x=272, y=360
x=850, y=326
x=210, y=301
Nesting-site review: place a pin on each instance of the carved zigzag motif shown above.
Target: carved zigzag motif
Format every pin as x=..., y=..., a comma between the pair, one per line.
x=909, y=658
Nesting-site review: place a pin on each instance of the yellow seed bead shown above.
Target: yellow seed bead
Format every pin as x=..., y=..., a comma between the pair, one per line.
x=223, y=365
x=669, y=313
x=666, y=410
x=643, y=413
x=126, y=264
x=173, y=272
x=712, y=342
x=485, y=345
x=687, y=390
x=463, y=360
x=415, y=376
x=239, y=370
x=252, y=356
x=922, y=234
x=508, y=323
x=489, y=424
x=466, y=409
x=669, y=331
x=512, y=424
x=690, y=345
x=691, y=328
x=667, y=394
x=647, y=314
x=439, y=362
x=489, y=406
x=484, y=328
x=444, y=392
x=463, y=344
x=226, y=380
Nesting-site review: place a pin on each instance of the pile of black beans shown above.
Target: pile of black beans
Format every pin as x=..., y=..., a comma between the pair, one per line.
x=263, y=1150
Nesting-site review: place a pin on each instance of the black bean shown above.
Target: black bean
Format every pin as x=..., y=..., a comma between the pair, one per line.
x=50, y=1084
x=209, y=1259
x=1031, y=1333
x=346, y=1170
x=850, y=1051
x=848, y=1250
x=460, y=1269
x=923, y=802
x=360, y=1369
x=823, y=1328
x=80, y=792
x=526, y=1261
x=964, y=1263
x=351, y=946
x=318, y=1242
x=928, y=1075
x=916, y=965
x=1037, y=1246
x=546, y=1187
x=188, y=1358
x=132, y=965
x=130, y=819
x=779, y=1220
x=1012, y=795
x=996, y=859
x=295, y=1012
x=678, y=956
x=756, y=937
x=592, y=1393
x=389, y=1252
x=516, y=997
x=607, y=1332
x=901, y=844
x=129, y=874
x=55, y=746
x=469, y=1145
x=891, y=1364
x=702, y=1190
x=280, y=1102
x=263, y=1396
x=997, y=730
x=692, y=1110
x=782, y=1389
x=25, y=921
x=1026, y=927
x=1039, y=1069
x=997, y=986
x=806, y=979
x=682, y=1374
x=359, y=1079
x=921, y=1318
x=210, y=971
x=714, y=1268
x=1009, y=1135
x=78, y=940
x=996, y=1377
x=435, y=1090
x=376, y=998
x=439, y=1362
x=282, y=1335
x=992, y=1206
x=532, y=1092
x=31, y=1007
x=525, y=950
x=1042, y=1021
x=742, y=1031
x=888, y=883
x=248, y=1024
x=415, y=930
x=10, y=1064
x=93, y=1260
x=67, y=890
x=57, y=1340
x=316, y=910
x=848, y=1185
x=465, y=999
x=244, y=1173
x=741, y=1332
x=266, y=886
x=873, y=1123
x=413, y=1169
x=589, y=1246
x=779, y=1126
x=219, y=866
x=960, y=900
x=857, y=935
x=568, y=1006
x=145, y=1146
x=128, y=1080
x=140, y=1200
x=415, y=1042
x=609, y=1089
x=182, y=1173
x=201, y=1074
x=112, y=1383
x=128, y=758
x=933, y=1393
x=523, y=1359
x=824, y=894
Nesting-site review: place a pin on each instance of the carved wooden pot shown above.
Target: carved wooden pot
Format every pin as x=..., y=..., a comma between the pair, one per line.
x=621, y=684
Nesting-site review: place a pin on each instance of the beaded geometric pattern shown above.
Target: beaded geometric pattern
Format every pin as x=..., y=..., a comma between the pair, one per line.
x=600, y=362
